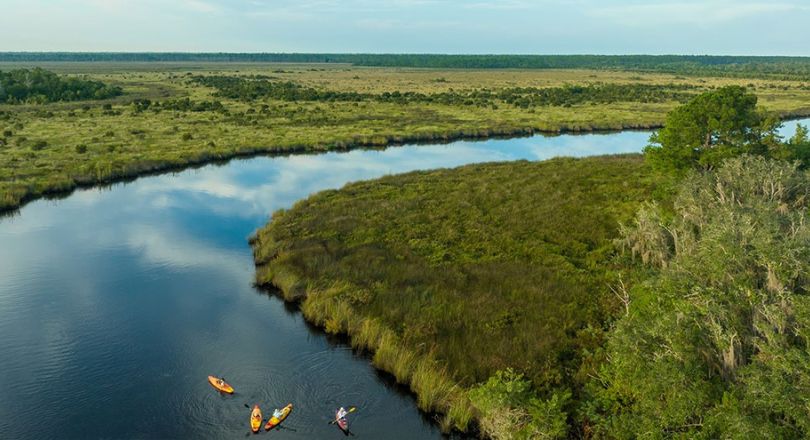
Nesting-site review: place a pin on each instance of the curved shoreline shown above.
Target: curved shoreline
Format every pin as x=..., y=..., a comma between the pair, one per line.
x=204, y=158
x=382, y=141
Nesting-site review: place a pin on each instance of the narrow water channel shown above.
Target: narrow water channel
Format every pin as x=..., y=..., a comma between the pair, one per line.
x=117, y=302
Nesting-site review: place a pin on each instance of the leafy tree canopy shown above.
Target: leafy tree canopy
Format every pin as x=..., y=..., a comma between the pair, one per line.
x=40, y=86
x=710, y=128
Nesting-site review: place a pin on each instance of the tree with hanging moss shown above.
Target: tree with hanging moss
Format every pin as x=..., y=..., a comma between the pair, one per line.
x=715, y=343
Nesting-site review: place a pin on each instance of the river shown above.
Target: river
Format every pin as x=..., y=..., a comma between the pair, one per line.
x=116, y=303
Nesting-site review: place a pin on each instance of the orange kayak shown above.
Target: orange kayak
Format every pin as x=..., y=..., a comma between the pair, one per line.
x=220, y=384
x=256, y=419
x=274, y=421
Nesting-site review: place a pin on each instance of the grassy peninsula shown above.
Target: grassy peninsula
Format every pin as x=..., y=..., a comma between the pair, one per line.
x=450, y=276
x=663, y=295
x=144, y=117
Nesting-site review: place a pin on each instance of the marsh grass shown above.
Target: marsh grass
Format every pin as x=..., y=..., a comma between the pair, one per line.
x=434, y=388
x=449, y=276
x=104, y=141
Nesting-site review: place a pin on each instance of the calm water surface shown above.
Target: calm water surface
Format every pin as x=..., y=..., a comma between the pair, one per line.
x=117, y=302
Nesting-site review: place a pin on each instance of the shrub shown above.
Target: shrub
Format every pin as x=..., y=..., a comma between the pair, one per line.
x=509, y=409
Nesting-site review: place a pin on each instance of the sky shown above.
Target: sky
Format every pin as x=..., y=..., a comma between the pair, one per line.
x=728, y=27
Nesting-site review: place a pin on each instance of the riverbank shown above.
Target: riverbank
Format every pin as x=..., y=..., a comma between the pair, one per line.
x=52, y=149
x=451, y=276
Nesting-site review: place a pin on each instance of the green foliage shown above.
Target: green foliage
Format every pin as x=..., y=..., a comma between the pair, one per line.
x=798, y=147
x=710, y=128
x=482, y=268
x=715, y=344
x=41, y=86
x=187, y=105
x=257, y=87
x=402, y=106
x=510, y=410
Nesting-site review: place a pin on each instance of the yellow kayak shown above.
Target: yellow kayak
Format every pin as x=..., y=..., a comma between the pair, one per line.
x=220, y=384
x=256, y=419
x=274, y=421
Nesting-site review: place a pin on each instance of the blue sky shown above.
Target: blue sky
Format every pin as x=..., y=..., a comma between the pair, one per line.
x=741, y=27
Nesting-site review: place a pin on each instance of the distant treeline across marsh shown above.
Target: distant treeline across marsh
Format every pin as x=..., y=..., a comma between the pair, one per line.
x=749, y=66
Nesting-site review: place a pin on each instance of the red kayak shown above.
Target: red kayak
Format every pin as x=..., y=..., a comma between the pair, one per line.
x=342, y=423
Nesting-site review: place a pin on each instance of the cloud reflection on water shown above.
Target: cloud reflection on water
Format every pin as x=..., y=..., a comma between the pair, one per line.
x=254, y=188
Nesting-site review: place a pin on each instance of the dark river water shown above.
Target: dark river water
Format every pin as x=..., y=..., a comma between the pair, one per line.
x=117, y=302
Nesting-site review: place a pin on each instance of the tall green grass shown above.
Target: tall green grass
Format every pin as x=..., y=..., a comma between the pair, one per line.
x=450, y=276
x=430, y=381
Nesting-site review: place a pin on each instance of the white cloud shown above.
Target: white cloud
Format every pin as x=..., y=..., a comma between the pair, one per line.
x=652, y=14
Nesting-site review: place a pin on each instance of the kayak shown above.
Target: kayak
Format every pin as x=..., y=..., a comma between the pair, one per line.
x=274, y=421
x=225, y=388
x=343, y=423
x=255, y=419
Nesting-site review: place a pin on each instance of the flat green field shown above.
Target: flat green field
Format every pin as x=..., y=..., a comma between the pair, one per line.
x=54, y=147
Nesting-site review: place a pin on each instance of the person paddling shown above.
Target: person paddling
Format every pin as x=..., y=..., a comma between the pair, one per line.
x=340, y=418
x=341, y=414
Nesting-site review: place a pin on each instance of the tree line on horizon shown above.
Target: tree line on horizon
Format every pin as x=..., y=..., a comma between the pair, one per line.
x=759, y=66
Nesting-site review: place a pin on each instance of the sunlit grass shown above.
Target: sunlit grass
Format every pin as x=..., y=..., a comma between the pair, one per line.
x=449, y=276
x=84, y=143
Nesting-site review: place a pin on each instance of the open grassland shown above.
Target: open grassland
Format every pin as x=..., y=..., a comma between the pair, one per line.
x=46, y=148
x=450, y=276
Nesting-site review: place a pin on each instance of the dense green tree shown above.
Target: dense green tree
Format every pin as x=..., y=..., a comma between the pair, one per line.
x=715, y=345
x=710, y=128
x=39, y=86
x=798, y=146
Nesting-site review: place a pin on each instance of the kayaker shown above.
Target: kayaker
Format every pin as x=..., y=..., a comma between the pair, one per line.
x=277, y=413
x=341, y=414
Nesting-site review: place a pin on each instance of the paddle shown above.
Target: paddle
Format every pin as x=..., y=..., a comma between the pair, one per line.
x=351, y=410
